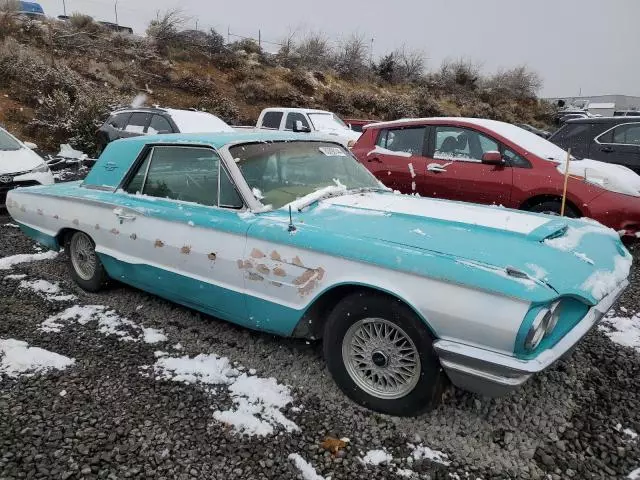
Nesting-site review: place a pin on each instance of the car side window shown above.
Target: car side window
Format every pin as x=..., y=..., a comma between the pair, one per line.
x=159, y=124
x=272, y=120
x=138, y=122
x=293, y=117
x=408, y=140
x=514, y=159
x=119, y=120
x=463, y=144
x=627, y=134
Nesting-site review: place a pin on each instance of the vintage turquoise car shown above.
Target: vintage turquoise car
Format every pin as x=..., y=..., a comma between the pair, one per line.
x=291, y=235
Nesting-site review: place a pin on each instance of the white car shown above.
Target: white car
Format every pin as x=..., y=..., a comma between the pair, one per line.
x=20, y=166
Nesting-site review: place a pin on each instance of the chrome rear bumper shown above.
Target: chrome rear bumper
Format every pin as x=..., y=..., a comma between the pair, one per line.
x=495, y=374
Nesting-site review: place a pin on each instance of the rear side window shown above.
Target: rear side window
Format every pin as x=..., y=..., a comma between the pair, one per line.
x=272, y=120
x=627, y=134
x=408, y=140
x=119, y=120
x=188, y=174
x=159, y=124
x=293, y=117
x=138, y=122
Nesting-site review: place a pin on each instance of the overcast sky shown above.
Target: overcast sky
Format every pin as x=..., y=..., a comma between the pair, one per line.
x=575, y=45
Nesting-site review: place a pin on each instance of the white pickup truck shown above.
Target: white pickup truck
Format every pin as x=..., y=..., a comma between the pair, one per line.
x=307, y=120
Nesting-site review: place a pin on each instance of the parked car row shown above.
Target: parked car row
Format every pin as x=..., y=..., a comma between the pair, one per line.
x=289, y=234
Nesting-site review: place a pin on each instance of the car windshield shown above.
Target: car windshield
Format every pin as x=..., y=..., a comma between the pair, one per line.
x=8, y=143
x=279, y=173
x=327, y=121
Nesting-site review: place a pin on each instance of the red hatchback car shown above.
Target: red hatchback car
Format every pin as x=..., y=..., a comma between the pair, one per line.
x=491, y=162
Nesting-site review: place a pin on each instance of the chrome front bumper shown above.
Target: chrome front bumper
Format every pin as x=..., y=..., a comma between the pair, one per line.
x=495, y=374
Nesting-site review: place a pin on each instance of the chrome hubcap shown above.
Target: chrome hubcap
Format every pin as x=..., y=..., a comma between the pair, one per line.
x=381, y=358
x=83, y=256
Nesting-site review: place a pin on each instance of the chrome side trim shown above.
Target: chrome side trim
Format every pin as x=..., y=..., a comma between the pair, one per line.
x=597, y=139
x=494, y=374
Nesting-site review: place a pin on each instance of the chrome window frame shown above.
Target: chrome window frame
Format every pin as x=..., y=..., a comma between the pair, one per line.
x=596, y=140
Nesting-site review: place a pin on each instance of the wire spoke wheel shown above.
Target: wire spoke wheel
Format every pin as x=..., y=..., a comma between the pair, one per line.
x=83, y=256
x=381, y=358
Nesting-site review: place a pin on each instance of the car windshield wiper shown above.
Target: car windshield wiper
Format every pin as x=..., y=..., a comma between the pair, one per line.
x=329, y=192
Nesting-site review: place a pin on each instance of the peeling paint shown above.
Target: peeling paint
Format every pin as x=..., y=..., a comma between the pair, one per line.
x=133, y=236
x=247, y=264
x=159, y=244
x=56, y=217
x=263, y=269
x=212, y=256
x=255, y=253
x=279, y=272
x=321, y=273
x=275, y=256
x=255, y=277
x=308, y=288
x=305, y=277
x=296, y=261
x=240, y=264
x=76, y=222
x=276, y=284
x=115, y=231
x=186, y=250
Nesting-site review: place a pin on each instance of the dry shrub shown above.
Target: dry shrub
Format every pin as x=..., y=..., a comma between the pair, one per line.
x=221, y=106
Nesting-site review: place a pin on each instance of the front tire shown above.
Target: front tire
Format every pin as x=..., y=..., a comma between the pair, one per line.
x=85, y=266
x=381, y=355
x=554, y=207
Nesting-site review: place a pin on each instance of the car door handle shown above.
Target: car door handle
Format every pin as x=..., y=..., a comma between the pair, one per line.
x=374, y=159
x=436, y=168
x=607, y=149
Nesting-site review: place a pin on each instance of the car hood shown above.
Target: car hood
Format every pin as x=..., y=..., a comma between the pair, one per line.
x=571, y=257
x=612, y=177
x=18, y=161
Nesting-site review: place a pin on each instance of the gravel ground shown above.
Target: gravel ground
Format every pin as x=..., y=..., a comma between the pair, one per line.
x=105, y=417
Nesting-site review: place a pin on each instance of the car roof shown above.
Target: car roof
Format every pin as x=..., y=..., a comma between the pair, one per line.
x=221, y=139
x=301, y=110
x=480, y=122
x=611, y=120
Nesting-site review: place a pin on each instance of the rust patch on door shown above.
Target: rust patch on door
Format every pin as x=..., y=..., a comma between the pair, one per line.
x=275, y=256
x=133, y=236
x=158, y=244
x=255, y=253
x=308, y=288
x=186, y=250
x=297, y=262
x=244, y=264
x=305, y=277
x=263, y=269
x=212, y=256
x=279, y=272
x=115, y=231
x=255, y=277
x=321, y=273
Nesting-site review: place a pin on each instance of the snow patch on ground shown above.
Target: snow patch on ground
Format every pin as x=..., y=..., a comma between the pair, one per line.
x=19, y=276
x=109, y=323
x=257, y=401
x=421, y=452
x=49, y=291
x=622, y=330
x=8, y=262
x=376, y=457
x=11, y=225
x=306, y=470
x=602, y=282
x=18, y=358
x=635, y=475
x=406, y=473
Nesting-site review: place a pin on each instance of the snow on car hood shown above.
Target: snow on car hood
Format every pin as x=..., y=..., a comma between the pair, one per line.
x=612, y=177
x=14, y=161
x=573, y=257
x=345, y=133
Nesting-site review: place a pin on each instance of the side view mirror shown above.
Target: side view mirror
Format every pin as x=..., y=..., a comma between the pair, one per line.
x=299, y=127
x=492, y=158
x=31, y=145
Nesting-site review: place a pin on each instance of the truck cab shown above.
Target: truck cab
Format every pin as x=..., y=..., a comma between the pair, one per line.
x=307, y=120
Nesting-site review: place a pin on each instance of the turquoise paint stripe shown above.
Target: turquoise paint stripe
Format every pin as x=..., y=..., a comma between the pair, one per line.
x=217, y=301
x=42, y=238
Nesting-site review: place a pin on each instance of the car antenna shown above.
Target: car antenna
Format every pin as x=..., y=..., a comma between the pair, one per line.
x=292, y=227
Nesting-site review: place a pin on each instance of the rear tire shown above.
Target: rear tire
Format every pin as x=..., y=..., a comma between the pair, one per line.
x=85, y=266
x=554, y=207
x=381, y=355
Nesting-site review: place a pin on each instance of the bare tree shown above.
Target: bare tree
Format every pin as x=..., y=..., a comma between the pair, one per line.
x=411, y=63
x=461, y=72
x=314, y=50
x=165, y=29
x=351, y=61
x=518, y=81
x=9, y=6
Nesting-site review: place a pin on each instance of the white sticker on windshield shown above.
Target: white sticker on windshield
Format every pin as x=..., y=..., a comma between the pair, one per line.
x=333, y=151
